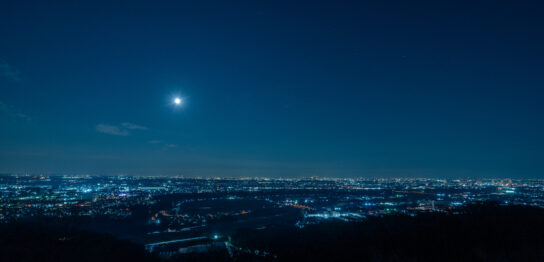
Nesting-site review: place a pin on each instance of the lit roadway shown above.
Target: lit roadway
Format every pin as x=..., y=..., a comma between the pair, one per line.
x=152, y=245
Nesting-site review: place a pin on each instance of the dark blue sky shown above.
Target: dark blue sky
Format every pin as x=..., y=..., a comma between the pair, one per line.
x=365, y=88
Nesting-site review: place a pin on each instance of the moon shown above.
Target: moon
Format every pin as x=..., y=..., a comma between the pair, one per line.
x=177, y=101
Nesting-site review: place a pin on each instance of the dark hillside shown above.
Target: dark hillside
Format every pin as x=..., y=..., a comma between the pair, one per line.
x=21, y=241
x=482, y=233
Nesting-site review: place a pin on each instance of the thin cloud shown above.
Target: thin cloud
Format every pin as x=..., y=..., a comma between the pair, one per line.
x=10, y=72
x=162, y=143
x=12, y=111
x=111, y=130
x=133, y=126
x=119, y=130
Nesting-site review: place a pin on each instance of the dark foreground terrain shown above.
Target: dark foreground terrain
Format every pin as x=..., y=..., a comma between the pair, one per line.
x=485, y=232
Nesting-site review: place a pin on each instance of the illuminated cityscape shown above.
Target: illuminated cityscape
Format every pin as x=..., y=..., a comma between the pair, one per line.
x=175, y=214
x=271, y=131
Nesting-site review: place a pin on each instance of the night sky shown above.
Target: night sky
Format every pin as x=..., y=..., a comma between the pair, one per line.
x=273, y=88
